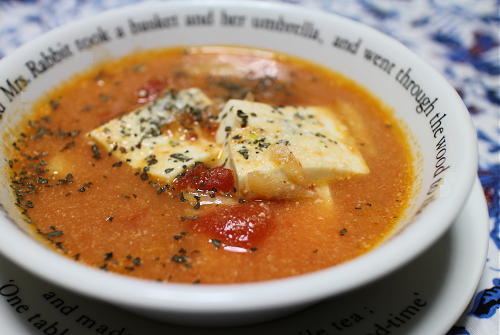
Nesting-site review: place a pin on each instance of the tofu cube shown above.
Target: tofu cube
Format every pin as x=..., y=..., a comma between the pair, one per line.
x=319, y=145
x=136, y=137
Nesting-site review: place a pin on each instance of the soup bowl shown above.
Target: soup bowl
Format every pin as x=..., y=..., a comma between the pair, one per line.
x=434, y=117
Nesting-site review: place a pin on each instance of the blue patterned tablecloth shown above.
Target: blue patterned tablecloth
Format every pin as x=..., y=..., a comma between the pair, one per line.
x=458, y=37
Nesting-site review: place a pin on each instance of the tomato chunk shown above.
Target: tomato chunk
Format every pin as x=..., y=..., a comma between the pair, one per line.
x=204, y=178
x=150, y=90
x=243, y=225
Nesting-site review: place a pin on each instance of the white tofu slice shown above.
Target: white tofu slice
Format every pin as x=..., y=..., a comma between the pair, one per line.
x=136, y=139
x=318, y=142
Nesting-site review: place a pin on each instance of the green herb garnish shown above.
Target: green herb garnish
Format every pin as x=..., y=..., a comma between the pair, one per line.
x=181, y=157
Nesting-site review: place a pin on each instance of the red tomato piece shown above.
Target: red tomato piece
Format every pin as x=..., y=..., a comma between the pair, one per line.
x=243, y=225
x=150, y=90
x=204, y=178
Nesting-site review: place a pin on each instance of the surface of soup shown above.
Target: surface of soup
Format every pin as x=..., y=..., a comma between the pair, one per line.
x=95, y=208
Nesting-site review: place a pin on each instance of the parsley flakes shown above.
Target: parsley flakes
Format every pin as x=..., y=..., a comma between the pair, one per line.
x=181, y=157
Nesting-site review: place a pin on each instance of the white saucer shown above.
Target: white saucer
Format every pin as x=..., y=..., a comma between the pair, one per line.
x=425, y=297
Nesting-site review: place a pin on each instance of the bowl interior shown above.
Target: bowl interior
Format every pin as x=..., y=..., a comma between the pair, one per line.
x=435, y=119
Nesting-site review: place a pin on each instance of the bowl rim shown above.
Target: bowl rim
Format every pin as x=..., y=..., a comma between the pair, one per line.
x=215, y=298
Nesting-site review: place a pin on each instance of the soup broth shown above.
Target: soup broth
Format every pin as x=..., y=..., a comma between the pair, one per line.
x=89, y=206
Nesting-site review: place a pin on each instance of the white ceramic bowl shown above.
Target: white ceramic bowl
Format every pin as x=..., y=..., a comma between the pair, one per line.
x=446, y=148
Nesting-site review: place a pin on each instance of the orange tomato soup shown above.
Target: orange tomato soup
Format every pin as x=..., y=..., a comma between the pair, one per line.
x=105, y=214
